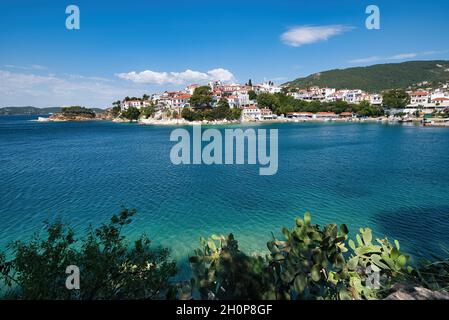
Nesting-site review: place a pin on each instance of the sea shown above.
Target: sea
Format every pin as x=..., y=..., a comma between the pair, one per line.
x=392, y=178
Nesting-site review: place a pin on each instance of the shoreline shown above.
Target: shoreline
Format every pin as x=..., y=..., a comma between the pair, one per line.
x=183, y=122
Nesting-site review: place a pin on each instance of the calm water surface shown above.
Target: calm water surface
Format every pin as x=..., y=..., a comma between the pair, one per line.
x=392, y=178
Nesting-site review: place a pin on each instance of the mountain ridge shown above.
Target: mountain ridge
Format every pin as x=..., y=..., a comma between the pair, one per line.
x=378, y=77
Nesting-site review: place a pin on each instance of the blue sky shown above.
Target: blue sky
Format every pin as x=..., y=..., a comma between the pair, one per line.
x=135, y=47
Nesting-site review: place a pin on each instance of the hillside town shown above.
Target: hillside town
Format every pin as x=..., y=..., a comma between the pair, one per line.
x=423, y=103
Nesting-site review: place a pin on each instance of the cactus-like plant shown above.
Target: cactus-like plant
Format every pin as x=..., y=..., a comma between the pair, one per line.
x=309, y=262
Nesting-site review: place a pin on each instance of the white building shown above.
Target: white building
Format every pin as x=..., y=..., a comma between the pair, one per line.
x=267, y=87
x=243, y=99
x=125, y=104
x=191, y=88
x=266, y=114
x=375, y=99
x=251, y=113
x=419, y=99
x=233, y=101
x=354, y=96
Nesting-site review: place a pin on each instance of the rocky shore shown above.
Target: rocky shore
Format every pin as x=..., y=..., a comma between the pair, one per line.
x=64, y=117
x=171, y=122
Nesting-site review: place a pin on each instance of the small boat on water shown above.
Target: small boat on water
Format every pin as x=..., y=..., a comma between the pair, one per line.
x=43, y=119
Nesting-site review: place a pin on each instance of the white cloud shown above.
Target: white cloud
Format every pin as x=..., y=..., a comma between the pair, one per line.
x=27, y=67
x=400, y=56
x=301, y=35
x=366, y=60
x=177, y=78
x=403, y=56
x=221, y=74
x=20, y=88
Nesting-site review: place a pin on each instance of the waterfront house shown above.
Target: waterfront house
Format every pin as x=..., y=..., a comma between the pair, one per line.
x=346, y=115
x=266, y=114
x=419, y=99
x=302, y=115
x=251, y=113
x=325, y=115
x=136, y=103
x=440, y=103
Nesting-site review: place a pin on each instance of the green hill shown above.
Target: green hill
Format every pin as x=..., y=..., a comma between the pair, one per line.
x=36, y=111
x=379, y=77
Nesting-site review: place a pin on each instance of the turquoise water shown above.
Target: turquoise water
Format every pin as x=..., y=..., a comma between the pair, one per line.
x=392, y=178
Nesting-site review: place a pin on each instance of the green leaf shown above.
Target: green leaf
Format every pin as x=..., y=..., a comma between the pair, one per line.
x=216, y=237
x=351, y=244
x=359, y=240
x=402, y=260
x=307, y=218
x=344, y=229
x=377, y=261
x=286, y=233
x=352, y=263
x=396, y=242
x=316, y=273
x=300, y=283
x=344, y=294
x=394, y=253
x=211, y=245
x=367, y=236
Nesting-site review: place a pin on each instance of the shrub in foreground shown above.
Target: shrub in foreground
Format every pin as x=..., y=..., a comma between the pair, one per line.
x=110, y=267
x=306, y=262
x=309, y=262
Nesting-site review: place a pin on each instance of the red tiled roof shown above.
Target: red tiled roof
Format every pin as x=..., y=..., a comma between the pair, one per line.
x=325, y=114
x=183, y=96
x=420, y=93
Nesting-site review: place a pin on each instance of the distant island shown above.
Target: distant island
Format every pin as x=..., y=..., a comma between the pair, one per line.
x=33, y=111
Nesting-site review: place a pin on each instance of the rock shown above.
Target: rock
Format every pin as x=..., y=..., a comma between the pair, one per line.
x=417, y=293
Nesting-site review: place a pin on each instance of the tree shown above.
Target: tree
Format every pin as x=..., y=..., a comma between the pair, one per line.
x=132, y=113
x=250, y=83
x=116, y=108
x=147, y=111
x=267, y=100
x=222, y=110
x=396, y=99
x=365, y=109
x=110, y=267
x=252, y=95
x=145, y=97
x=235, y=114
x=77, y=111
x=201, y=98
